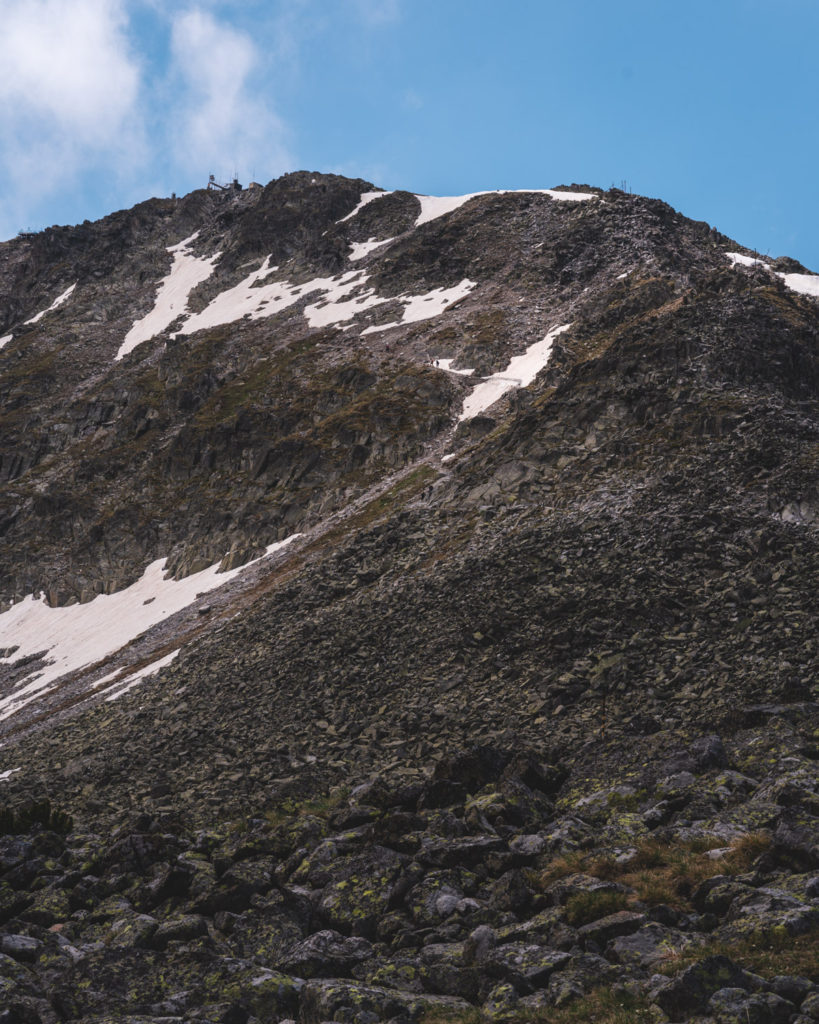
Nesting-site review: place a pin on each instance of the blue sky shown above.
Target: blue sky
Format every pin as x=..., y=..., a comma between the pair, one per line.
x=713, y=106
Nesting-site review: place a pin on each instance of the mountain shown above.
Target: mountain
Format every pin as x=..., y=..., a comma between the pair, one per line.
x=407, y=609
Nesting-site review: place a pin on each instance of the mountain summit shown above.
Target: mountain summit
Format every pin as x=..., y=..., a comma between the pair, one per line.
x=407, y=612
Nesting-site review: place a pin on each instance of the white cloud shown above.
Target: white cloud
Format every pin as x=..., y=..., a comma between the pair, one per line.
x=220, y=122
x=68, y=96
x=68, y=61
x=103, y=102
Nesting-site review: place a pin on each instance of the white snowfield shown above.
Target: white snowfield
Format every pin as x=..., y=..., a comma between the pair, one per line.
x=358, y=250
x=342, y=303
x=5, y=339
x=344, y=295
x=805, y=284
x=254, y=299
x=424, y=307
x=339, y=299
x=366, y=197
x=57, y=302
x=83, y=634
x=520, y=372
x=187, y=271
x=433, y=207
x=745, y=261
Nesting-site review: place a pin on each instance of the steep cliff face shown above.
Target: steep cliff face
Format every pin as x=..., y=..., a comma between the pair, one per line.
x=402, y=595
x=238, y=345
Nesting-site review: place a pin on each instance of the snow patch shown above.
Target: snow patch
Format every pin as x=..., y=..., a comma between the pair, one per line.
x=358, y=250
x=5, y=340
x=83, y=634
x=255, y=300
x=341, y=304
x=150, y=670
x=804, y=284
x=341, y=298
x=57, y=302
x=433, y=207
x=446, y=364
x=8, y=774
x=745, y=261
x=520, y=372
x=344, y=296
x=366, y=197
x=449, y=457
x=424, y=307
x=187, y=271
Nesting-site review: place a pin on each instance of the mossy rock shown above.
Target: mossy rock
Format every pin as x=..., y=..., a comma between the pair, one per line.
x=355, y=903
x=48, y=907
x=349, y=1002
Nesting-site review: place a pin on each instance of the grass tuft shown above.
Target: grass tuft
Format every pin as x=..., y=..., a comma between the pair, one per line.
x=584, y=907
x=666, y=873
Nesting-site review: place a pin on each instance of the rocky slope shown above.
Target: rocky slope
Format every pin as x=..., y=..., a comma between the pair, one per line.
x=520, y=723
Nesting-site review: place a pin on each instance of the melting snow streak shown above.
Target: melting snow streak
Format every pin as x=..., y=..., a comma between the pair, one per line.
x=366, y=197
x=424, y=307
x=520, y=372
x=186, y=273
x=83, y=634
x=358, y=250
x=433, y=207
x=150, y=670
x=57, y=302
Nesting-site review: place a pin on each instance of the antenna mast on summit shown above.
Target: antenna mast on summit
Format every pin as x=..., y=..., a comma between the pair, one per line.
x=217, y=186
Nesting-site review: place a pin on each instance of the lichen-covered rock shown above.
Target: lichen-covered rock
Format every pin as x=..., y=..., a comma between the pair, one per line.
x=361, y=892
x=25, y=949
x=440, y=895
x=649, y=946
x=809, y=1005
x=526, y=967
x=580, y=975
x=689, y=993
x=736, y=1005
x=604, y=929
x=179, y=929
x=768, y=912
x=351, y=1003
x=326, y=954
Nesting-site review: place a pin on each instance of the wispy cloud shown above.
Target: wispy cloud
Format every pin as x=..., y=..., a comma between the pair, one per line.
x=68, y=61
x=102, y=101
x=220, y=117
x=68, y=95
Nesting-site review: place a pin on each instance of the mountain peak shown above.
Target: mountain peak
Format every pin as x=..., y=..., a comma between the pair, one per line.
x=398, y=594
